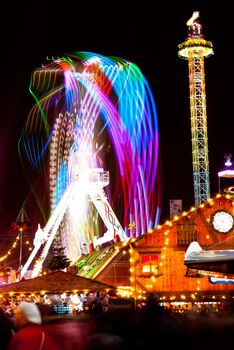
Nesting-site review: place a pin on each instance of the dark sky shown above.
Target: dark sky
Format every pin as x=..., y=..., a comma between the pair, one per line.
x=147, y=34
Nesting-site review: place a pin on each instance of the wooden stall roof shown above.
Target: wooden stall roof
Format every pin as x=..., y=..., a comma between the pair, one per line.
x=56, y=282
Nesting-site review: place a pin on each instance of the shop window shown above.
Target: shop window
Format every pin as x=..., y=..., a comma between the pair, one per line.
x=149, y=264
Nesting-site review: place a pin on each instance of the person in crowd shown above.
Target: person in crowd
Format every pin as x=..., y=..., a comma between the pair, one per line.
x=105, y=302
x=30, y=334
x=96, y=305
x=6, y=329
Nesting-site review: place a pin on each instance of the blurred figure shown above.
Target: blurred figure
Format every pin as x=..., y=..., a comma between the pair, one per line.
x=152, y=306
x=29, y=332
x=96, y=305
x=105, y=302
x=70, y=334
x=101, y=341
x=6, y=330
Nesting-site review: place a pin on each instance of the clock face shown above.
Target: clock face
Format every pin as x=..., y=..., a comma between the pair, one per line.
x=222, y=221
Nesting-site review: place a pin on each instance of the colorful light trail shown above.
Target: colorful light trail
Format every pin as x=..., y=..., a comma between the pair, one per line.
x=101, y=111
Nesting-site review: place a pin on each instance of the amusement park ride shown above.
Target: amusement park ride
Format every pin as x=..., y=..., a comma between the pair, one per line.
x=94, y=181
x=94, y=110
x=195, y=49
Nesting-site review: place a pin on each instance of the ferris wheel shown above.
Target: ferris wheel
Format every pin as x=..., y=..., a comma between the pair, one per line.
x=100, y=105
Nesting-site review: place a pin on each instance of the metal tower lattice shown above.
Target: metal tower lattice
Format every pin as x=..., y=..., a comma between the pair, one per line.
x=194, y=49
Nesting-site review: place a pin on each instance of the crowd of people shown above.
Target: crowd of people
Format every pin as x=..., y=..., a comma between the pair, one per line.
x=75, y=304
x=34, y=326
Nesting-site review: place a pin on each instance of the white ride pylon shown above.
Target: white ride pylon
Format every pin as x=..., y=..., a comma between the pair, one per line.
x=97, y=179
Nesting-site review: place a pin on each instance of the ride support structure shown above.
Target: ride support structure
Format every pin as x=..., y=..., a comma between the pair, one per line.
x=97, y=179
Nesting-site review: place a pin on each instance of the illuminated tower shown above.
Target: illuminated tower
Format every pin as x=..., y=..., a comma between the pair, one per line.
x=194, y=49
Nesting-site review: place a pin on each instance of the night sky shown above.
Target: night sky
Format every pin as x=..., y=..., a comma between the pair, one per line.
x=148, y=35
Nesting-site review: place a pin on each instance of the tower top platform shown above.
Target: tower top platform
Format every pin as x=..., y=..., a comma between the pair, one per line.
x=195, y=45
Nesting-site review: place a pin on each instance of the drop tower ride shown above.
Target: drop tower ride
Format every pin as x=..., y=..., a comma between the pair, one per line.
x=195, y=49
